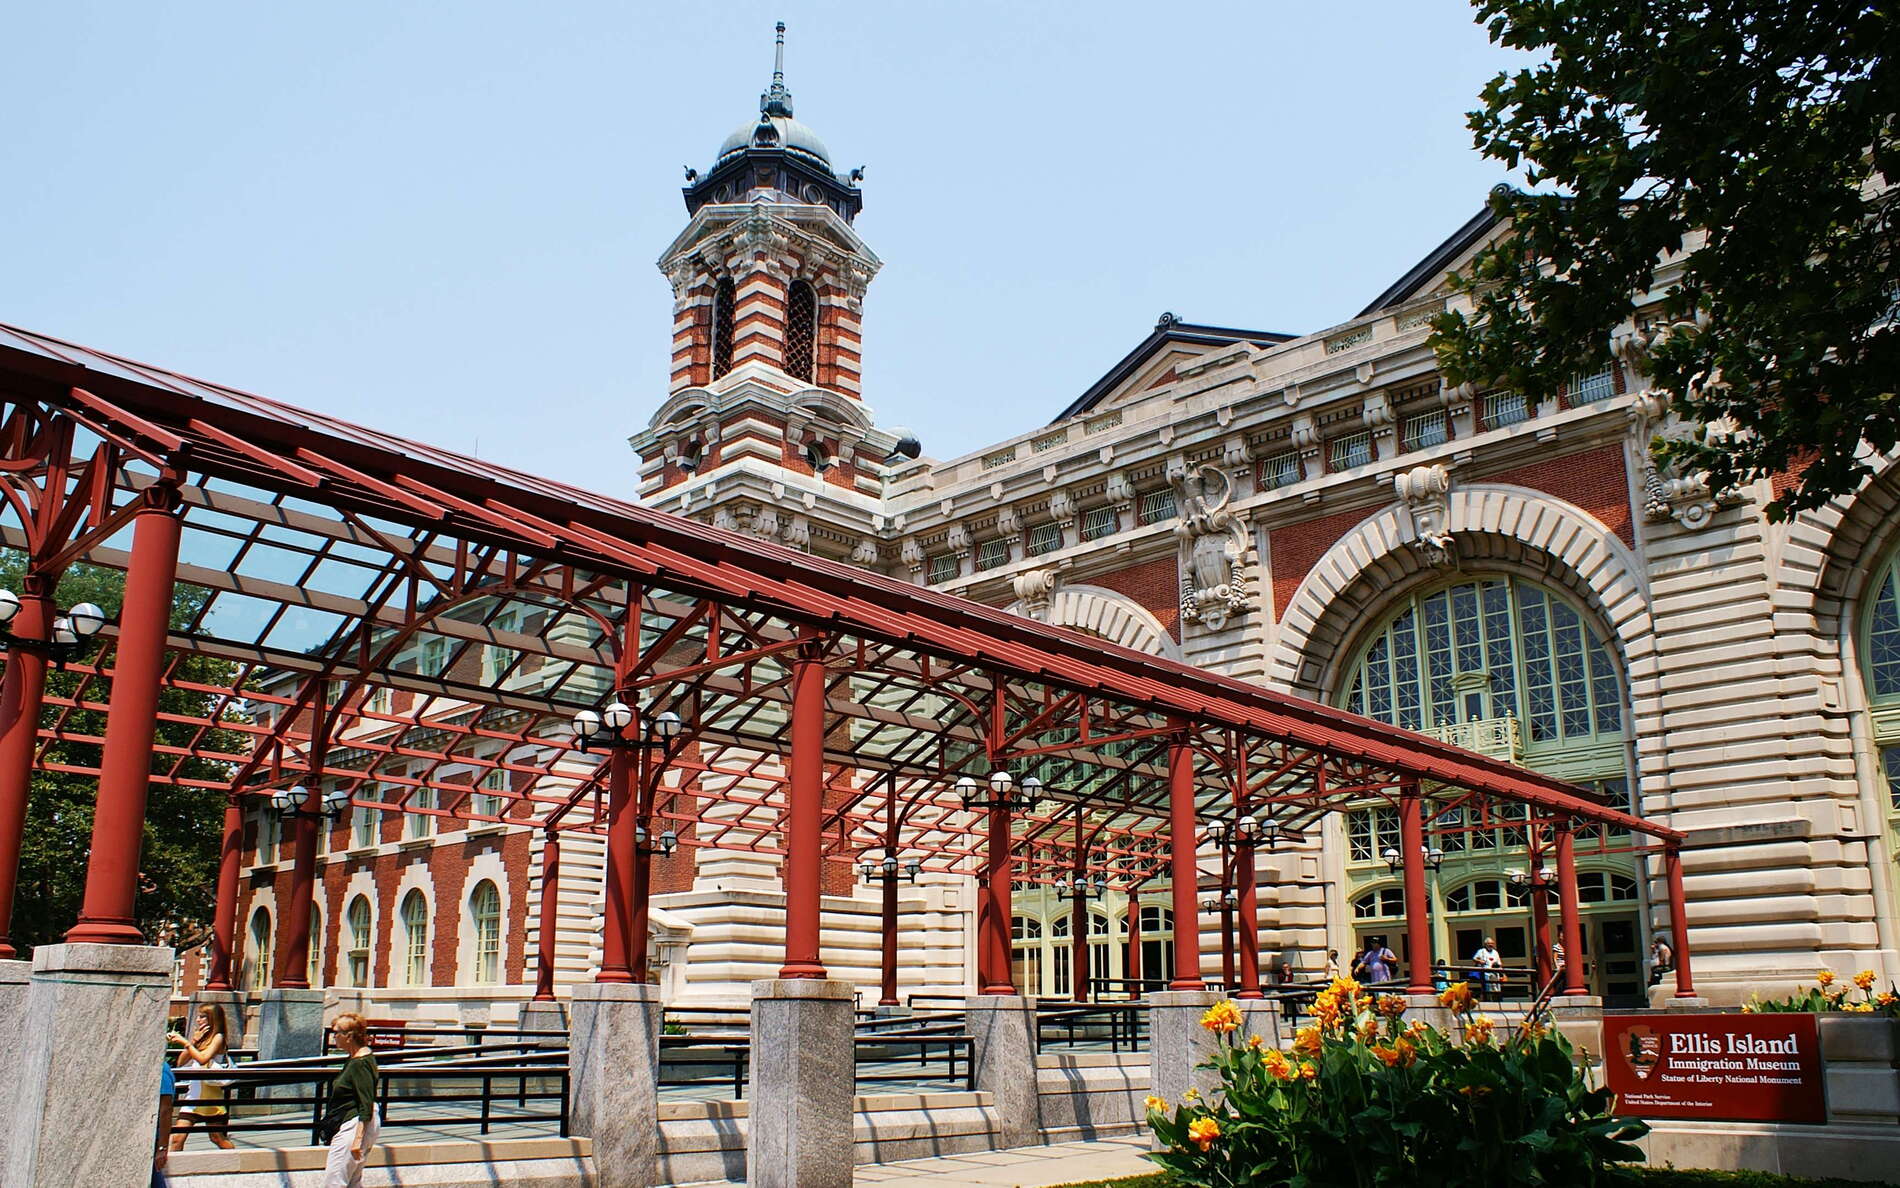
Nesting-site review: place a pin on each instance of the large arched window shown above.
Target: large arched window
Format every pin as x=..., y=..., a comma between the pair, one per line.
x=1490, y=648
x=801, y=330
x=722, y=328
x=1157, y=946
x=314, y=973
x=1060, y=958
x=415, y=939
x=484, y=912
x=358, y=955
x=1880, y=663
x=1025, y=934
x=260, y=950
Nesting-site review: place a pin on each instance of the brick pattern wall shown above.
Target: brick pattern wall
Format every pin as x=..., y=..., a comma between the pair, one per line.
x=692, y=337
x=1154, y=585
x=840, y=343
x=758, y=333
x=1294, y=549
x=1594, y=480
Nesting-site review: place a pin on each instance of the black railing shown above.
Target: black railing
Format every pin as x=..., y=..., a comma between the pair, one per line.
x=729, y=1062
x=1123, y=1026
x=932, y=1058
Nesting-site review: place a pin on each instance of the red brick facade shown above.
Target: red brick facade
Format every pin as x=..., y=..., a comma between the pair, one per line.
x=1292, y=551
x=1594, y=480
x=1154, y=585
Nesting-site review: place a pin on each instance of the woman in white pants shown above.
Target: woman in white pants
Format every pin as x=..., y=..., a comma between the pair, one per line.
x=350, y=1116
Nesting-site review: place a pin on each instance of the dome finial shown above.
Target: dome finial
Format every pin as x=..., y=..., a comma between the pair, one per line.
x=777, y=101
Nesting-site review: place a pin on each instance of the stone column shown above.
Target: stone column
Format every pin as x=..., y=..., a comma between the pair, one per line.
x=13, y=994
x=1177, y=1042
x=804, y=1077
x=290, y=1024
x=86, y=1067
x=613, y=1058
x=1003, y=1053
x=1263, y=1018
x=235, y=1008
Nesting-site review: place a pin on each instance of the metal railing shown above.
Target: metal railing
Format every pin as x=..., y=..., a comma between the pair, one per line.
x=1123, y=1026
x=680, y=1055
x=934, y=1058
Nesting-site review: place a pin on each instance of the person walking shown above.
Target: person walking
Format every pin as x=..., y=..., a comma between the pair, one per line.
x=202, y=1102
x=1490, y=963
x=1377, y=963
x=349, y=1119
x=161, y=1147
x=1332, y=966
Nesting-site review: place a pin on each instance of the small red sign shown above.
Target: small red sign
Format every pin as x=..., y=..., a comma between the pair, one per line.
x=1733, y=1068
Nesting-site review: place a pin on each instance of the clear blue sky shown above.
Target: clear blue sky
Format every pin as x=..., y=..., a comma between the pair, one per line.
x=441, y=219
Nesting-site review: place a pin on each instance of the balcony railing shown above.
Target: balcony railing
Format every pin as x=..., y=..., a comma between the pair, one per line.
x=1498, y=738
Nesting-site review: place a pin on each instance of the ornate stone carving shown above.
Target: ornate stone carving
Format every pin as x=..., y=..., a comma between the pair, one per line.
x=1006, y=522
x=1213, y=545
x=958, y=538
x=1118, y=490
x=1425, y=491
x=1033, y=590
x=1062, y=508
x=912, y=554
x=864, y=552
x=765, y=523
x=724, y=520
x=1667, y=494
x=798, y=533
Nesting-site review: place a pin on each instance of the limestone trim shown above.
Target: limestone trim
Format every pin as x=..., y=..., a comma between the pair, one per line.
x=484, y=867
x=1114, y=617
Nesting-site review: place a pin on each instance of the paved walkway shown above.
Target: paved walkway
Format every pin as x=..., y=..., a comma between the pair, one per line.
x=1023, y=1167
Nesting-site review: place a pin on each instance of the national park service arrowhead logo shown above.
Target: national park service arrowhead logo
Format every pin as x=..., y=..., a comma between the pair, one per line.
x=1642, y=1049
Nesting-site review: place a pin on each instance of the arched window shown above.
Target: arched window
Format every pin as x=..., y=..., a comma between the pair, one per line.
x=484, y=910
x=1486, y=650
x=1157, y=946
x=359, y=941
x=415, y=939
x=1486, y=895
x=1026, y=959
x=722, y=329
x=1060, y=957
x=801, y=330
x=314, y=974
x=1379, y=903
x=1600, y=886
x=1880, y=662
x=260, y=949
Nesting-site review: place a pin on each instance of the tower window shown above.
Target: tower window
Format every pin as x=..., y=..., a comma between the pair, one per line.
x=722, y=329
x=801, y=330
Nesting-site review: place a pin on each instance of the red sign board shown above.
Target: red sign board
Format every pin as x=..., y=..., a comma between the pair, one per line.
x=1737, y=1068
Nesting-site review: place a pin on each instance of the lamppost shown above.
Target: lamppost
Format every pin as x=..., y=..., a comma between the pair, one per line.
x=1234, y=840
x=600, y=729
x=1077, y=889
x=68, y=636
x=294, y=802
x=887, y=872
x=998, y=797
x=629, y=850
x=1004, y=792
x=1535, y=887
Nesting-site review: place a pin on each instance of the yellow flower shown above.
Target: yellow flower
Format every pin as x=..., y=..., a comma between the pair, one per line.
x=1457, y=998
x=1391, y=1005
x=1861, y=1007
x=1307, y=1040
x=1277, y=1065
x=1308, y=1070
x=1400, y=1055
x=1369, y=1030
x=1824, y=977
x=1884, y=998
x=1255, y=1042
x=1203, y=1131
x=1864, y=979
x=1415, y=1028
x=1478, y=1029
x=1223, y=1017
x=1192, y=1094
x=1156, y=1104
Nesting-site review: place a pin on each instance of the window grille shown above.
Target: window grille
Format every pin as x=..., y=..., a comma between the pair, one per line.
x=1044, y=538
x=1281, y=470
x=801, y=330
x=1426, y=430
x=1386, y=901
x=943, y=568
x=722, y=329
x=992, y=553
x=1588, y=389
x=1505, y=408
x=1157, y=505
x=1098, y=522
x=1354, y=449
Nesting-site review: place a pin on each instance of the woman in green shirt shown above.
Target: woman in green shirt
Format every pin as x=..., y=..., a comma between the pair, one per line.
x=350, y=1117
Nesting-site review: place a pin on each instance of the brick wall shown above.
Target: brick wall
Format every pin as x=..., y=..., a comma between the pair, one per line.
x=1292, y=551
x=1154, y=585
x=1594, y=480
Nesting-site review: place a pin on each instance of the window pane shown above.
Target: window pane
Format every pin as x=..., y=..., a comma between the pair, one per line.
x=1044, y=538
x=1355, y=449
x=943, y=567
x=1157, y=506
x=1588, y=389
x=1282, y=470
x=992, y=553
x=1426, y=430
x=1098, y=522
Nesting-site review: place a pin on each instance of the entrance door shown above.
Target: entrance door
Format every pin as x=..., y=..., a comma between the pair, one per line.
x=1513, y=940
x=1615, y=970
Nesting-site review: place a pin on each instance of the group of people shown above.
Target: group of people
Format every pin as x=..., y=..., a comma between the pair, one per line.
x=349, y=1121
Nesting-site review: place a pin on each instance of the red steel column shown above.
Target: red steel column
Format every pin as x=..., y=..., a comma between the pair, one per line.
x=1184, y=869
x=805, y=816
x=993, y=919
x=1249, y=922
x=550, y=911
x=616, y=928
x=20, y=701
x=1078, y=943
x=1132, y=967
x=1678, y=921
x=224, y=916
x=108, y=913
x=1226, y=938
x=1540, y=915
x=887, y=990
x=646, y=783
x=1572, y=908
x=1418, y=924
x=293, y=946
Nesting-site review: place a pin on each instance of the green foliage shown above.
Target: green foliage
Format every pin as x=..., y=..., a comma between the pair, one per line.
x=1759, y=138
x=1365, y=1100
x=1635, y=1177
x=178, y=860
x=1855, y=997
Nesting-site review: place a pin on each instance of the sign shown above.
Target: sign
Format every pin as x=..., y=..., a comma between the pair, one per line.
x=1735, y=1068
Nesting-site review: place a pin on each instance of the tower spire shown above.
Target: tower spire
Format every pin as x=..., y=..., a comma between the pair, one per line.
x=777, y=101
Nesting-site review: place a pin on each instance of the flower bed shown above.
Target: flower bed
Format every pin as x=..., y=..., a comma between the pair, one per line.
x=1823, y=996
x=1365, y=1098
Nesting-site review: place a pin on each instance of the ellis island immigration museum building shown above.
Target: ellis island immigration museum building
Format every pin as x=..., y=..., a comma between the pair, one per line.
x=1314, y=513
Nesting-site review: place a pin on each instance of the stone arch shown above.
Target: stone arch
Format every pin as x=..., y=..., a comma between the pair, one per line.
x=1512, y=529
x=1102, y=612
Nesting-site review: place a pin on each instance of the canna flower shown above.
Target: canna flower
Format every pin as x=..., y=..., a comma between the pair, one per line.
x=1457, y=998
x=1277, y=1065
x=1400, y=1054
x=1824, y=977
x=1203, y=1131
x=1478, y=1029
x=1192, y=1094
x=1391, y=1005
x=1369, y=1030
x=1307, y=1040
x=1861, y=1007
x=1308, y=1070
x=1884, y=999
x=1156, y=1104
x=1255, y=1043
x=1415, y=1028
x=1864, y=979
x=1223, y=1017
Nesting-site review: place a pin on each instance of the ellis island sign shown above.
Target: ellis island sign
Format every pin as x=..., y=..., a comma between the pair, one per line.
x=1744, y=1068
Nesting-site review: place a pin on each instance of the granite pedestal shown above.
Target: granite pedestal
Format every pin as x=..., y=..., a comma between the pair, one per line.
x=290, y=1025
x=86, y=1067
x=234, y=1004
x=14, y=976
x=1265, y=1018
x=613, y=1058
x=548, y=1017
x=1002, y=1031
x=804, y=1077
x=1177, y=1043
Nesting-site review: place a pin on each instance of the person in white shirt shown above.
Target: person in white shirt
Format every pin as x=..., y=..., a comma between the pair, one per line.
x=1488, y=959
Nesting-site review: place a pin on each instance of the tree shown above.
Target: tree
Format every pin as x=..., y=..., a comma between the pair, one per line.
x=184, y=826
x=1752, y=145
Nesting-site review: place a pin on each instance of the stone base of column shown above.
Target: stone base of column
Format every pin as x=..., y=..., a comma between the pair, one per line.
x=543, y=1016
x=1579, y=1019
x=1688, y=1005
x=14, y=977
x=86, y=1067
x=613, y=1060
x=290, y=1025
x=804, y=1076
x=1002, y=1031
x=1177, y=1043
x=1264, y=1018
x=234, y=1003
